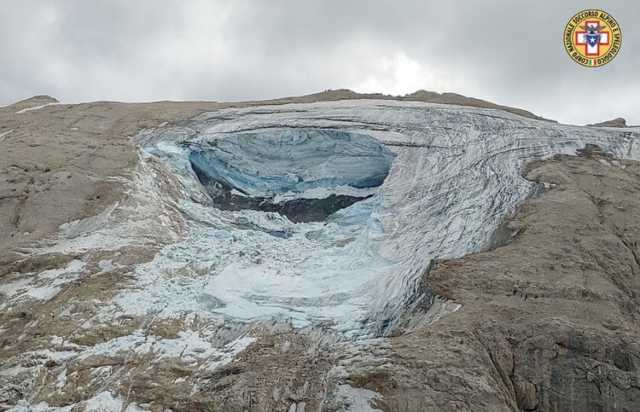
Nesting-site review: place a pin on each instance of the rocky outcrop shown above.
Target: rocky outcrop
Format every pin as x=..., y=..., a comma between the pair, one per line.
x=33, y=103
x=454, y=98
x=418, y=96
x=67, y=162
x=617, y=122
x=550, y=321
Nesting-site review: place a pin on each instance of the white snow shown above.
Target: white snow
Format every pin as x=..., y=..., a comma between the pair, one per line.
x=357, y=399
x=4, y=134
x=61, y=380
x=102, y=402
x=144, y=217
x=190, y=346
x=106, y=265
x=42, y=286
x=229, y=352
x=30, y=109
x=24, y=406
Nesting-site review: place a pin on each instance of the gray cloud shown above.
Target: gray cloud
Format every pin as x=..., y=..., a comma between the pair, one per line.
x=505, y=51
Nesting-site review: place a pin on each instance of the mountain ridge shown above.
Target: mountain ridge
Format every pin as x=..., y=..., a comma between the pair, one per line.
x=123, y=286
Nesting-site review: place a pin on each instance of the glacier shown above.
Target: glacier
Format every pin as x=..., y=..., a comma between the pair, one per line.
x=424, y=182
x=304, y=174
x=294, y=160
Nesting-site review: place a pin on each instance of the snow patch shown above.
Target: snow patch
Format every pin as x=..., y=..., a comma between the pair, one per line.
x=43, y=286
x=101, y=402
x=30, y=109
x=357, y=399
x=190, y=346
x=4, y=134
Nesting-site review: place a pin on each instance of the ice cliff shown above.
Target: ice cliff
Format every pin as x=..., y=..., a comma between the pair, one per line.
x=304, y=174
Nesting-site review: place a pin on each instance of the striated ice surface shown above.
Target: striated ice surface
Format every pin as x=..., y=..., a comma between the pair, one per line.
x=293, y=160
x=439, y=180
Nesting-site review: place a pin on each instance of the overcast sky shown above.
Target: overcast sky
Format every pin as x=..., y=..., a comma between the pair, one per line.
x=507, y=51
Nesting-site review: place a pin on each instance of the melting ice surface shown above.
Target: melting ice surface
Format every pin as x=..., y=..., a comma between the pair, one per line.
x=304, y=174
x=431, y=181
x=285, y=160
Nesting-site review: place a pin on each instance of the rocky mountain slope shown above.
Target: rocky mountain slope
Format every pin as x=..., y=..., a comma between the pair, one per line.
x=549, y=321
x=316, y=253
x=617, y=122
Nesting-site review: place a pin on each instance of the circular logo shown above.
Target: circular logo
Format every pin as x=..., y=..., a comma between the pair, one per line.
x=592, y=38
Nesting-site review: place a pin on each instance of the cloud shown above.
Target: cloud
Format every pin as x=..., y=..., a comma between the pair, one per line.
x=504, y=51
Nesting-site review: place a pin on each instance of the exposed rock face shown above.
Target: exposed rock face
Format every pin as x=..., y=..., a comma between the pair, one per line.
x=617, y=122
x=418, y=96
x=454, y=98
x=549, y=322
x=130, y=286
x=67, y=162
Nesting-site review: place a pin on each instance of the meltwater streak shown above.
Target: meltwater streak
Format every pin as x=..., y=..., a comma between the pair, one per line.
x=454, y=176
